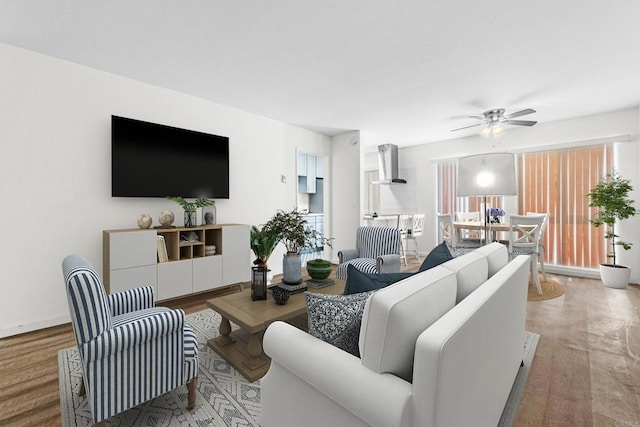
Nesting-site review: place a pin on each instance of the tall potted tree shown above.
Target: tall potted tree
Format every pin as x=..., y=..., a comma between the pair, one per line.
x=611, y=197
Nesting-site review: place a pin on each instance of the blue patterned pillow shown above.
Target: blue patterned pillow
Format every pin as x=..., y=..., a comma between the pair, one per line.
x=336, y=319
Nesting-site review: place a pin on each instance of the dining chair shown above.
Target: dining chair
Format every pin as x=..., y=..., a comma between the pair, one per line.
x=470, y=235
x=524, y=231
x=446, y=231
x=543, y=229
x=417, y=225
x=404, y=225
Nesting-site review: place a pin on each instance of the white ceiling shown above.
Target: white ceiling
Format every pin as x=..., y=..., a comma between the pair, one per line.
x=404, y=72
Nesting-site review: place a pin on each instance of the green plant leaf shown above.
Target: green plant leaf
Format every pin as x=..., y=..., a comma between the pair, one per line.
x=611, y=198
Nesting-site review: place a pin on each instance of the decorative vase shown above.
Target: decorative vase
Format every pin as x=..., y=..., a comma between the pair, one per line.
x=280, y=296
x=166, y=218
x=209, y=215
x=144, y=221
x=190, y=218
x=292, y=268
x=319, y=269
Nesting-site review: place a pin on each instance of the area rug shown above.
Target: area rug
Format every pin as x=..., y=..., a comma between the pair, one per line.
x=550, y=289
x=224, y=396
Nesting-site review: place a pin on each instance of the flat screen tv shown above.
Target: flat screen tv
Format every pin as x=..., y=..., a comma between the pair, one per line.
x=153, y=160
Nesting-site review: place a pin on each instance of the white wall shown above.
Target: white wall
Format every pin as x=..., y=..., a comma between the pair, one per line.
x=617, y=125
x=345, y=190
x=55, y=172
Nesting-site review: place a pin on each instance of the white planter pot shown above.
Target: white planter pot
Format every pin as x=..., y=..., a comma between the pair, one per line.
x=615, y=276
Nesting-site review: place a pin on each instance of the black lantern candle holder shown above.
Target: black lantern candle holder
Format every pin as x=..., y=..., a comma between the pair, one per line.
x=259, y=283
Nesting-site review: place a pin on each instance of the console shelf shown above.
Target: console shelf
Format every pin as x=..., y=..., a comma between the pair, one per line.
x=130, y=259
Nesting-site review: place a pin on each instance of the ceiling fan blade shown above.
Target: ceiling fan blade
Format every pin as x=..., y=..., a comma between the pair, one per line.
x=466, y=127
x=519, y=113
x=521, y=122
x=477, y=117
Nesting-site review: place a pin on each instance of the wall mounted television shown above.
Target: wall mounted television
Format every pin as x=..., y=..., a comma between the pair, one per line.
x=154, y=160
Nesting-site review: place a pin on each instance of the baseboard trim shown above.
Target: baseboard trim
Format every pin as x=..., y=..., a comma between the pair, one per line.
x=42, y=324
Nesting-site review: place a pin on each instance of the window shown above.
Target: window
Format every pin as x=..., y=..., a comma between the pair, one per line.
x=556, y=182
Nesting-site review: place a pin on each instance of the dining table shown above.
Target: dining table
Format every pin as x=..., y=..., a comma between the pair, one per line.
x=492, y=228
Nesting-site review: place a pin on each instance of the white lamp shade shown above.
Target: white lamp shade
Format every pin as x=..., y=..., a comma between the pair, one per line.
x=491, y=174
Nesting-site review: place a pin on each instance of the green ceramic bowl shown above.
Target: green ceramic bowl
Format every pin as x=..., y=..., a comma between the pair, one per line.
x=319, y=269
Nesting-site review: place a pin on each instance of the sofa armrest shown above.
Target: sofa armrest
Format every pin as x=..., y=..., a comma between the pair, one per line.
x=389, y=263
x=377, y=399
x=347, y=255
x=131, y=300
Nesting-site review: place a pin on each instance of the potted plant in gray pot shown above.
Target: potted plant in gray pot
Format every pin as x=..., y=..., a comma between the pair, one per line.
x=611, y=197
x=290, y=227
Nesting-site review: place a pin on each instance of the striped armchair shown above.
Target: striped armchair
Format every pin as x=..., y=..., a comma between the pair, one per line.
x=131, y=351
x=377, y=251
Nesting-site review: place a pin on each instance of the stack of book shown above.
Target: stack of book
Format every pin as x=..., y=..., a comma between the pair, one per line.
x=317, y=284
x=300, y=287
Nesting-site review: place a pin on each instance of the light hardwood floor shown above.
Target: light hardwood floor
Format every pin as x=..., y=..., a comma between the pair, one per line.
x=586, y=371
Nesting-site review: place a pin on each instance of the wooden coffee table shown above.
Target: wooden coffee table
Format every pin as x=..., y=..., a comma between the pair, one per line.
x=242, y=348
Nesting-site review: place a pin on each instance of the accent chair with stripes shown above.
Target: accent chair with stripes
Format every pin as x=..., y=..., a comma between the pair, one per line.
x=131, y=351
x=377, y=251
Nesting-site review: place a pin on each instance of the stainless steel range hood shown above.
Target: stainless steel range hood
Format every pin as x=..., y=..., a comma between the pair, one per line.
x=388, y=165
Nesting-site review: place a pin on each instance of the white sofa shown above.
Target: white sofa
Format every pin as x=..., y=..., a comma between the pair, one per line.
x=440, y=348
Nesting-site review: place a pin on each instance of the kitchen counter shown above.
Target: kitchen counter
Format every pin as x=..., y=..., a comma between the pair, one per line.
x=383, y=220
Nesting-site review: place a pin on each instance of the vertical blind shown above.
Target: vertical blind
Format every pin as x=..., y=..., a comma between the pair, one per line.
x=556, y=182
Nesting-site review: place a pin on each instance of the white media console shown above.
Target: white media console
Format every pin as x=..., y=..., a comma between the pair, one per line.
x=130, y=259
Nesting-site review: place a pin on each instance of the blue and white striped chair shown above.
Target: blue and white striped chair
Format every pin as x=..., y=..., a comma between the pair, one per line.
x=131, y=351
x=377, y=251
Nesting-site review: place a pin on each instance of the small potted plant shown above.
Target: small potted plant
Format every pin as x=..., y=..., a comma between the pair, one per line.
x=191, y=208
x=262, y=244
x=611, y=197
x=290, y=229
x=496, y=215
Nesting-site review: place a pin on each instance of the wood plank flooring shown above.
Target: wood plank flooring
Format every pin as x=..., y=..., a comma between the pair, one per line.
x=586, y=371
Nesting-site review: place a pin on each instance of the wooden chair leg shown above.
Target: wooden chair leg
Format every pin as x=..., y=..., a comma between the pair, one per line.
x=82, y=391
x=191, y=393
x=541, y=258
x=534, y=273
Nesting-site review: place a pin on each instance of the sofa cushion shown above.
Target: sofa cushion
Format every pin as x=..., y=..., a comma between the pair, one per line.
x=437, y=256
x=336, y=319
x=497, y=256
x=357, y=281
x=395, y=316
x=471, y=270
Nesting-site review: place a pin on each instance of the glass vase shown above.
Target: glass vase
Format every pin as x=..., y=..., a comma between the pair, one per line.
x=190, y=218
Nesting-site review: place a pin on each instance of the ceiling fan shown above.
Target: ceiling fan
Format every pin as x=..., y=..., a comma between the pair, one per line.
x=493, y=121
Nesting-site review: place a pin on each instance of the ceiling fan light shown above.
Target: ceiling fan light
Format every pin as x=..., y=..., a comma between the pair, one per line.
x=497, y=130
x=486, y=131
